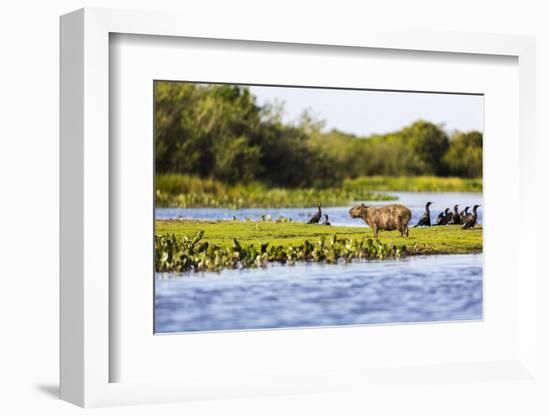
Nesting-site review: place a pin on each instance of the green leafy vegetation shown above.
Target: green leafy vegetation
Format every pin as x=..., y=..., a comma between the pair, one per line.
x=414, y=184
x=220, y=132
x=189, y=253
x=465, y=157
x=199, y=245
x=184, y=191
x=174, y=190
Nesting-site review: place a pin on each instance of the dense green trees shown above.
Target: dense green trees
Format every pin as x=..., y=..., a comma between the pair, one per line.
x=465, y=155
x=220, y=131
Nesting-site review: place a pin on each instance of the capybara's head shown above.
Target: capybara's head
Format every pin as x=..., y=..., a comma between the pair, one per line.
x=357, y=211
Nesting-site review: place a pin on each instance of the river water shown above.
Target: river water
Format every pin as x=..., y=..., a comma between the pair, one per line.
x=415, y=201
x=412, y=289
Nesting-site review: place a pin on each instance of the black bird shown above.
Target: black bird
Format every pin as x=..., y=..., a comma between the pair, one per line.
x=315, y=219
x=449, y=216
x=443, y=218
x=471, y=219
x=456, y=216
x=425, y=218
x=463, y=214
x=326, y=220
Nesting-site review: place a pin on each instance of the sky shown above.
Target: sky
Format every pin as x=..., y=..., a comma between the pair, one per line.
x=376, y=112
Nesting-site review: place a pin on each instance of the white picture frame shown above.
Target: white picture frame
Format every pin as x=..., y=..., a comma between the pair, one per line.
x=87, y=356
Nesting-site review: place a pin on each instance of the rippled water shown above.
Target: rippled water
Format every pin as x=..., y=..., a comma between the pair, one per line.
x=415, y=201
x=413, y=289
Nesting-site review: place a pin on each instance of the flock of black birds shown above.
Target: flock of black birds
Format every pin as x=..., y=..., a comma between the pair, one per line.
x=467, y=219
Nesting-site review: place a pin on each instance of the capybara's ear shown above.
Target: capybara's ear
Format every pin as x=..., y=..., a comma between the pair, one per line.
x=363, y=205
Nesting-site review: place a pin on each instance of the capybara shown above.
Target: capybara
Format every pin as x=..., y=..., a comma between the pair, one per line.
x=390, y=217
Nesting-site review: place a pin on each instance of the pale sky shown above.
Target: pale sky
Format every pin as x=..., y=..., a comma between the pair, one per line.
x=366, y=112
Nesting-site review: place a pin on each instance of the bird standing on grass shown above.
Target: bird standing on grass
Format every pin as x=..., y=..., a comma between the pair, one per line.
x=425, y=218
x=326, y=220
x=315, y=219
x=464, y=214
x=471, y=219
x=443, y=218
x=456, y=215
x=449, y=216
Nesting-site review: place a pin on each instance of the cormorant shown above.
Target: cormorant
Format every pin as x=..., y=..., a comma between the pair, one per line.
x=443, y=218
x=449, y=216
x=425, y=218
x=463, y=214
x=326, y=220
x=471, y=219
x=456, y=216
x=315, y=219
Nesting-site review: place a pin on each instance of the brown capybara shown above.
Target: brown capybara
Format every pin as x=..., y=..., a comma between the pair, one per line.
x=390, y=217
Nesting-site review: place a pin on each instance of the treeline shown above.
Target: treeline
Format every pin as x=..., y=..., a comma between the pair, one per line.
x=220, y=131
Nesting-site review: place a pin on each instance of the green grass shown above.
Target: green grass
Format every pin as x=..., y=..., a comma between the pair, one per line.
x=414, y=184
x=450, y=239
x=184, y=191
x=174, y=190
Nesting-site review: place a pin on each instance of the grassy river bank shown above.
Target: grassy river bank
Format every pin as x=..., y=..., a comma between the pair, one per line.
x=182, y=245
x=184, y=191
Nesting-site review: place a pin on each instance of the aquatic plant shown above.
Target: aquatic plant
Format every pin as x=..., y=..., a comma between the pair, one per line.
x=189, y=253
x=451, y=239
